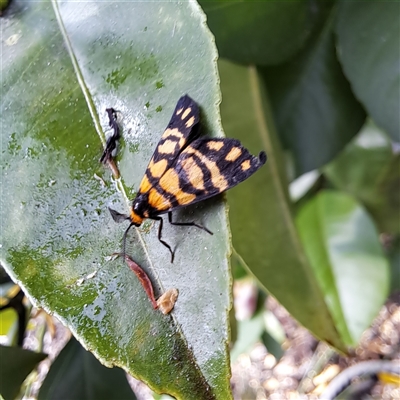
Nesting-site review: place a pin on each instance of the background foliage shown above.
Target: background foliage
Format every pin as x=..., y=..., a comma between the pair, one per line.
x=314, y=84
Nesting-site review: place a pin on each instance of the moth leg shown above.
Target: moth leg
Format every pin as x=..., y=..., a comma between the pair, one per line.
x=162, y=241
x=187, y=224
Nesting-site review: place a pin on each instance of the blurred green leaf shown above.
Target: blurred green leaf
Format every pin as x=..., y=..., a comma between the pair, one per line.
x=15, y=365
x=3, y=5
x=272, y=345
x=263, y=230
x=274, y=327
x=343, y=247
x=249, y=332
x=12, y=298
x=62, y=65
x=394, y=256
x=369, y=170
x=8, y=315
x=8, y=325
x=239, y=269
x=263, y=32
x=77, y=374
x=315, y=111
x=233, y=326
x=368, y=42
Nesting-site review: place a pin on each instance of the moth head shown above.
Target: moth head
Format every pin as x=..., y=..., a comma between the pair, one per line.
x=135, y=218
x=139, y=209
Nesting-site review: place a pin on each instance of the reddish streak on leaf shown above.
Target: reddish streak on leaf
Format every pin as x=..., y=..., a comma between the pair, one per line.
x=143, y=279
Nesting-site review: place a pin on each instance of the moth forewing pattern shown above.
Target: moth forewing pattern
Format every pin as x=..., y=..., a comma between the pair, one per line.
x=185, y=169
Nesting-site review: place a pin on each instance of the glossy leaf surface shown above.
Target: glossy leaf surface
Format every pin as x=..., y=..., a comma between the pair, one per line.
x=77, y=374
x=368, y=42
x=343, y=247
x=15, y=365
x=315, y=111
x=63, y=64
x=263, y=229
x=262, y=32
x=369, y=169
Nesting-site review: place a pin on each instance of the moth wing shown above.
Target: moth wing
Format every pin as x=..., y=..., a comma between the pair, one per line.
x=206, y=168
x=181, y=130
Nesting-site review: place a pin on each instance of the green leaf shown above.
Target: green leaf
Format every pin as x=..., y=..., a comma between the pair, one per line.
x=63, y=64
x=3, y=5
x=274, y=328
x=272, y=345
x=263, y=230
x=249, y=332
x=315, y=111
x=77, y=374
x=9, y=318
x=239, y=270
x=368, y=42
x=15, y=365
x=369, y=170
x=263, y=32
x=8, y=323
x=343, y=247
x=394, y=257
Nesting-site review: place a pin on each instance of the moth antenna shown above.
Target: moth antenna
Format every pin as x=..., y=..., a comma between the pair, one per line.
x=124, y=239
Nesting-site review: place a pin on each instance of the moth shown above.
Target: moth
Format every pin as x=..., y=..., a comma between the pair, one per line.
x=186, y=169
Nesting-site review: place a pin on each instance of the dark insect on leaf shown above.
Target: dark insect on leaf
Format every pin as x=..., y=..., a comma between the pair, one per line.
x=111, y=145
x=186, y=169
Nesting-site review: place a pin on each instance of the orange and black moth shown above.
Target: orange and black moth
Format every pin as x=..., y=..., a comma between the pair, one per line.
x=186, y=169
